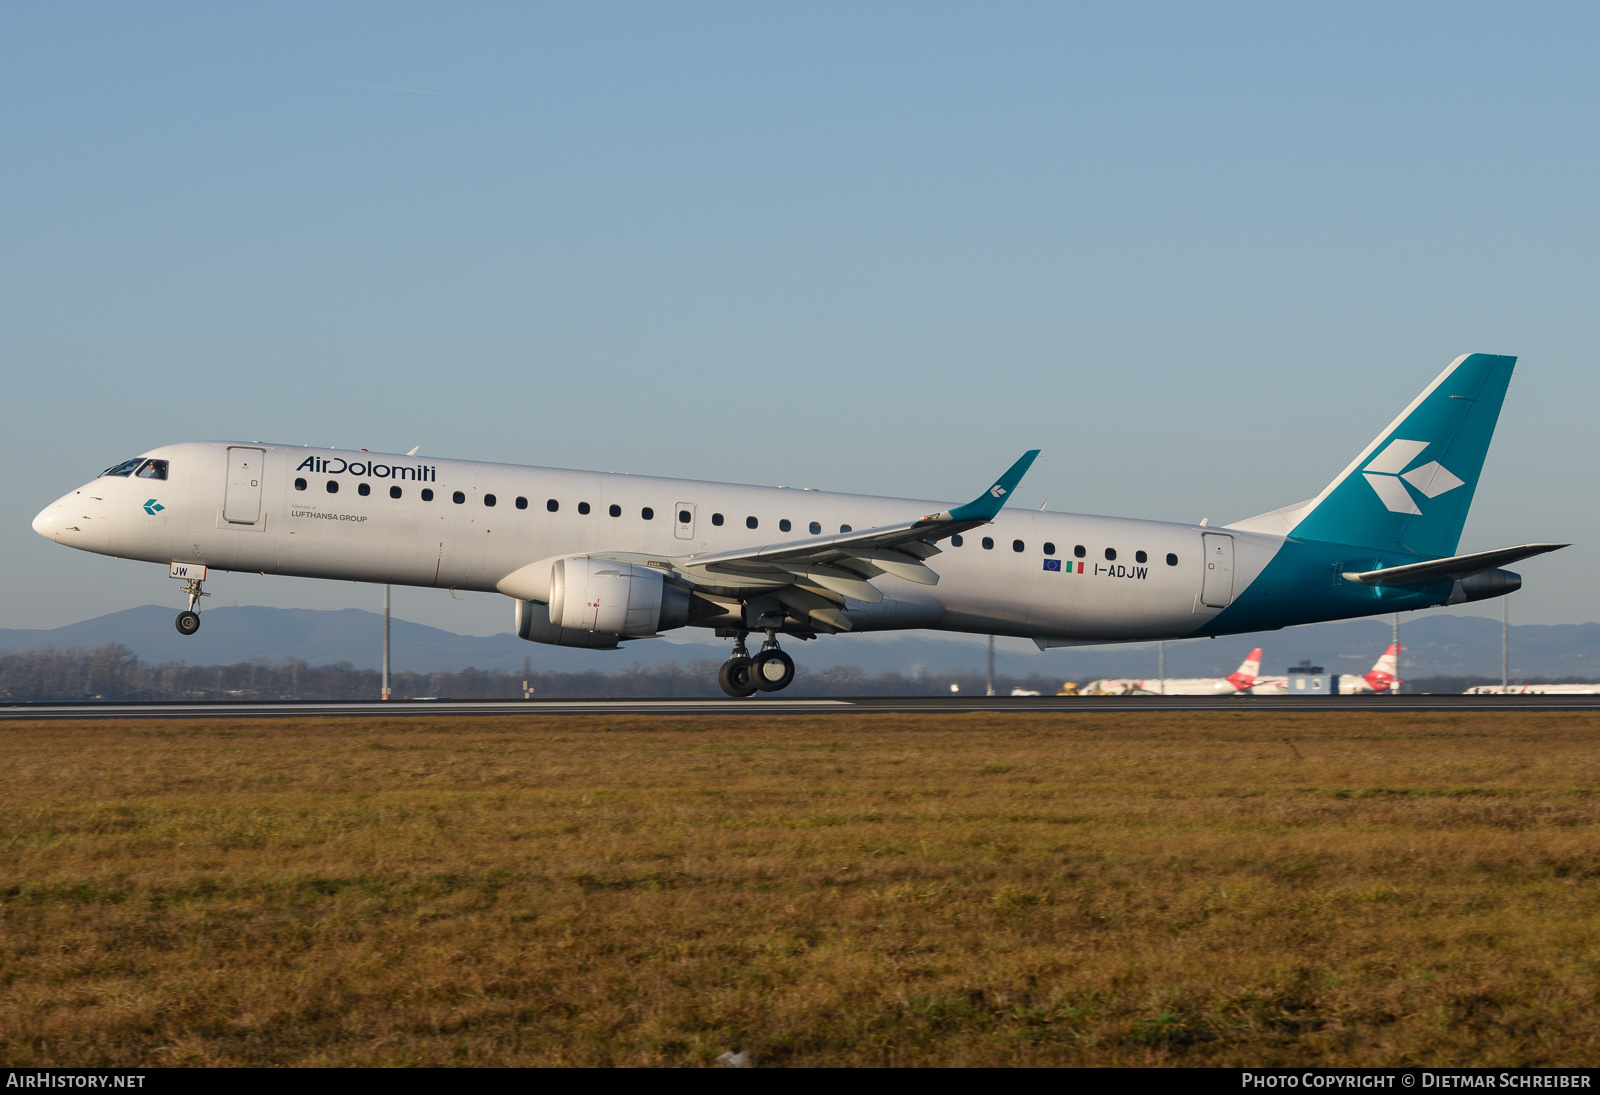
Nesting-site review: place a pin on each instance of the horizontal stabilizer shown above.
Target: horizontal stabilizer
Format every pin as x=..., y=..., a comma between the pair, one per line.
x=1448, y=570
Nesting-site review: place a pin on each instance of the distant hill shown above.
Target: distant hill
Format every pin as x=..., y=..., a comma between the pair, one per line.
x=1435, y=645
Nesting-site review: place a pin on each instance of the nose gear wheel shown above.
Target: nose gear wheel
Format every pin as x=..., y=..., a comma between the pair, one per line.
x=188, y=621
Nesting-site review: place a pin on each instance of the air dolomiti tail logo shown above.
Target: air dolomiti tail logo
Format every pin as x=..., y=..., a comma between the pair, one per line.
x=1388, y=478
x=997, y=490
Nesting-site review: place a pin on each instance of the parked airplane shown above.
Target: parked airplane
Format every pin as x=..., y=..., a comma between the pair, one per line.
x=1381, y=678
x=593, y=559
x=1534, y=690
x=1237, y=683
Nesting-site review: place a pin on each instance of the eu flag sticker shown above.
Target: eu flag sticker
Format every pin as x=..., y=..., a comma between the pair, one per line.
x=1053, y=564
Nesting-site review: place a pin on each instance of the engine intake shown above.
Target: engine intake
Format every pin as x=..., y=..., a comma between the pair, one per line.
x=606, y=597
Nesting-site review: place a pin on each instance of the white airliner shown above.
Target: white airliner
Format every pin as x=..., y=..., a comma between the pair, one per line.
x=1238, y=683
x=1382, y=677
x=592, y=559
x=1534, y=690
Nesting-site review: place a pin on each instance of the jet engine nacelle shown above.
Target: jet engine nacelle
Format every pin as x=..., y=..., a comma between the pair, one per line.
x=611, y=598
x=533, y=624
x=1484, y=584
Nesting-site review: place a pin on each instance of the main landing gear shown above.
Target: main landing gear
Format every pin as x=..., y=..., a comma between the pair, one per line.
x=771, y=670
x=188, y=621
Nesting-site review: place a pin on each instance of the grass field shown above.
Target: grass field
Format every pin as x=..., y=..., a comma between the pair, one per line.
x=1237, y=888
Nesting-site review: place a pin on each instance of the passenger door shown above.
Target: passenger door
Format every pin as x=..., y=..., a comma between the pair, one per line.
x=1216, y=586
x=241, y=504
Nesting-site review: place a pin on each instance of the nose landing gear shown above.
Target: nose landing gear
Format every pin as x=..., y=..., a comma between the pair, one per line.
x=188, y=621
x=771, y=670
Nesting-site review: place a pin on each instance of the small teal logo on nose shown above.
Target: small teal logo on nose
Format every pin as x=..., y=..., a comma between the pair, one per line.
x=153, y=507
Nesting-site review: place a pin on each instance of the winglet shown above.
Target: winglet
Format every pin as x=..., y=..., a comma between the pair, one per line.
x=987, y=505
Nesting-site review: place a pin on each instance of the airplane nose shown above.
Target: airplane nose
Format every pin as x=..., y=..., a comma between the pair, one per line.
x=48, y=522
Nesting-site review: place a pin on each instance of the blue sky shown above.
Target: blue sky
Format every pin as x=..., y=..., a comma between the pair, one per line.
x=1198, y=254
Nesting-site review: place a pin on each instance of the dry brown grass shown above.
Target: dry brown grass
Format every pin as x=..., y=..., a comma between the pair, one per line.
x=963, y=889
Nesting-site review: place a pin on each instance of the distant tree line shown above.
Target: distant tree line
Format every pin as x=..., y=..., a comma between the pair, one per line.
x=112, y=672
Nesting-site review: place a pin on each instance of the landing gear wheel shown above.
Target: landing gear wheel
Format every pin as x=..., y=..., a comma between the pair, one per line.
x=188, y=623
x=772, y=670
x=736, y=679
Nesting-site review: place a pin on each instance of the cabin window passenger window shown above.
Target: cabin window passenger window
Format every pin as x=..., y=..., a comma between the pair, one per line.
x=522, y=503
x=684, y=517
x=583, y=508
x=299, y=484
x=816, y=528
x=1140, y=557
x=1018, y=545
x=458, y=498
x=489, y=499
x=333, y=486
x=153, y=469
x=1049, y=548
x=988, y=543
x=1078, y=551
x=552, y=505
x=1111, y=554
x=784, y=525
x=956, y=540
x=394, y=492
x=1172, y=560
x=716, y=518
x=427, y=494
x=845, y=528
x=648, y=514
x=615, y=510
x=364, y=489
x=751, y=522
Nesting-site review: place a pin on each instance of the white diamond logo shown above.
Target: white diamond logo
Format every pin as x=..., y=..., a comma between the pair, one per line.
x=1432, y=479
x=1385, y=476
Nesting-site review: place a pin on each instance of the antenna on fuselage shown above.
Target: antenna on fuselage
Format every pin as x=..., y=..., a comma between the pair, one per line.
x=414, y=449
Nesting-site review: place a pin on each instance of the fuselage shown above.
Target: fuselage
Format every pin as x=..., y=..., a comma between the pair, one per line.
x=1172, y=686
x=406, y=520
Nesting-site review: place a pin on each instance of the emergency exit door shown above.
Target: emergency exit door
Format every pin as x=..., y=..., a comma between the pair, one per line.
x=1216, y=587
x=241, y=505
x=684, y=529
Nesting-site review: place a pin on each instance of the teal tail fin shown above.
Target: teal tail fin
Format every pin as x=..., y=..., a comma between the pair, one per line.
x=1411, y=488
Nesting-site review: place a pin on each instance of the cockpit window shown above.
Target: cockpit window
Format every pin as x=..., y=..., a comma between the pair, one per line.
x=123, y=469
x=152, y=469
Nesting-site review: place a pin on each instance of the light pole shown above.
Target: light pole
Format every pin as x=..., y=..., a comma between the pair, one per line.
x=1395, y=688
x=1505, y=642
x=386, y=640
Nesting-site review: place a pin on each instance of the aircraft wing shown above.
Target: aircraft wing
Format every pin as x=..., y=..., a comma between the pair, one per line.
x=812, y=576
x=1454, y=568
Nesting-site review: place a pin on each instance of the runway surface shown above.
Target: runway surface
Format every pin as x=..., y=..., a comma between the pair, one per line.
x=776, y=706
